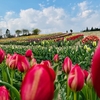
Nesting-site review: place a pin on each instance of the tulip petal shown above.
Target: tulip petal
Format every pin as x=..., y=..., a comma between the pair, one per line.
x=76, y=78
x=38, y=84
x=96, y=70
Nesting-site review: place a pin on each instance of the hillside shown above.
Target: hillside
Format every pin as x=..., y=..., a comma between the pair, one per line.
x=97, y=33
x=47, y=36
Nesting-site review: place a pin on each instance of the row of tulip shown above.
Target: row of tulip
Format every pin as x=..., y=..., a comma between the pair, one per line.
x=82, y=53
x=72, y=37
x=47, y=40
x=23, y=78
x=28, y=39
x=24, y=38
x=90, y=38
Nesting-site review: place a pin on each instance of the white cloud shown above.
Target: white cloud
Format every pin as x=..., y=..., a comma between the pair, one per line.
x=86, y=13
x=50, y=20
x=83, y=5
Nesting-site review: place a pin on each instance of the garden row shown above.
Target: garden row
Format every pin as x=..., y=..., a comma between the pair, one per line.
x=43, y=40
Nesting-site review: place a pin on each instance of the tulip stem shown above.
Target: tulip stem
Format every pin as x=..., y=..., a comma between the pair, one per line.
x=12, y=75
x=23, y=75
x=68, y=90
x=75, y=96
x=3, y=73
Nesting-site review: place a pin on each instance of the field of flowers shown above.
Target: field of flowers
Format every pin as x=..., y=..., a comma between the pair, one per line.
x=64, y=67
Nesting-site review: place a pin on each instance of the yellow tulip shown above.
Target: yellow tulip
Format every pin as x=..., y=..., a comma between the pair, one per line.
x=94, y=43
x=85, y=47
x=88, y=49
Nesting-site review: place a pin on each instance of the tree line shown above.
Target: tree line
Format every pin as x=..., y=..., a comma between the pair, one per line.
x=23, y=32
x=91, y=29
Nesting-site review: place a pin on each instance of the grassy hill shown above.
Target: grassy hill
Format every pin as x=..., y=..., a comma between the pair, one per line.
x=97, y=33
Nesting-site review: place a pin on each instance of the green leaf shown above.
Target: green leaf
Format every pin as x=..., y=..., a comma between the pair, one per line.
x=56, y=92
x=13, y=90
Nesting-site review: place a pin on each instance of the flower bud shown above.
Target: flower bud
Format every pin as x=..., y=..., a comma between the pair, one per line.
x=2, y=55
x=33, y=62
x=94, y=43
x=89, y=80
x=22, y=64
x=46, y=62
x=4, y=93
x=85, y=46
x=29, y=54
x=76, y=78
x=67, y=65
x=56, y=58
x=88, y=49
x=85, y=74
x=11, y=61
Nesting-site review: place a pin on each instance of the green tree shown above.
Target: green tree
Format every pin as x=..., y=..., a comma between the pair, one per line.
x=18, y=32
x=87, y=29
x=7, y=33
x=36, y=31
x=92, y=29
x=25, y=31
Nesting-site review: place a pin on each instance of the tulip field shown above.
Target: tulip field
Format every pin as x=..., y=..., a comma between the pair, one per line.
x=59, y=67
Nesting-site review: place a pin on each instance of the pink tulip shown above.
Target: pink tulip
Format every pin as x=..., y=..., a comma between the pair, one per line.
x=86, y=73
x=4, y=93
x=47, y=63
x=76, y=78
x=29, y=54
x=11, y=61
x=33, y=62
x=67, y=64
x=38, y=83
x=23, y=64
x=95, y=69
x=56, y=58
x=89, y=80
x=2, y=55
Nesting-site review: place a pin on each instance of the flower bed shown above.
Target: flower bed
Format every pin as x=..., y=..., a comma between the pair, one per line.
x=90, y=38
x=49, y=72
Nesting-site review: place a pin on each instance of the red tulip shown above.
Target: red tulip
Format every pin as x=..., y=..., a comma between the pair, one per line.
x=33, y=62
x=4, y=93
x=67, y=64
x=47, y=63
x=11, y=61
x=56, y=58
x=86, y=73
x=29, y=54
x=95, y=69
x=2, y=55
x=76, y=78
x=89, y=80
x=38, y=83
x=22, y=63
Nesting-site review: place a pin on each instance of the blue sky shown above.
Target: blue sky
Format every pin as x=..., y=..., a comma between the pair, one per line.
x=49, y=15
